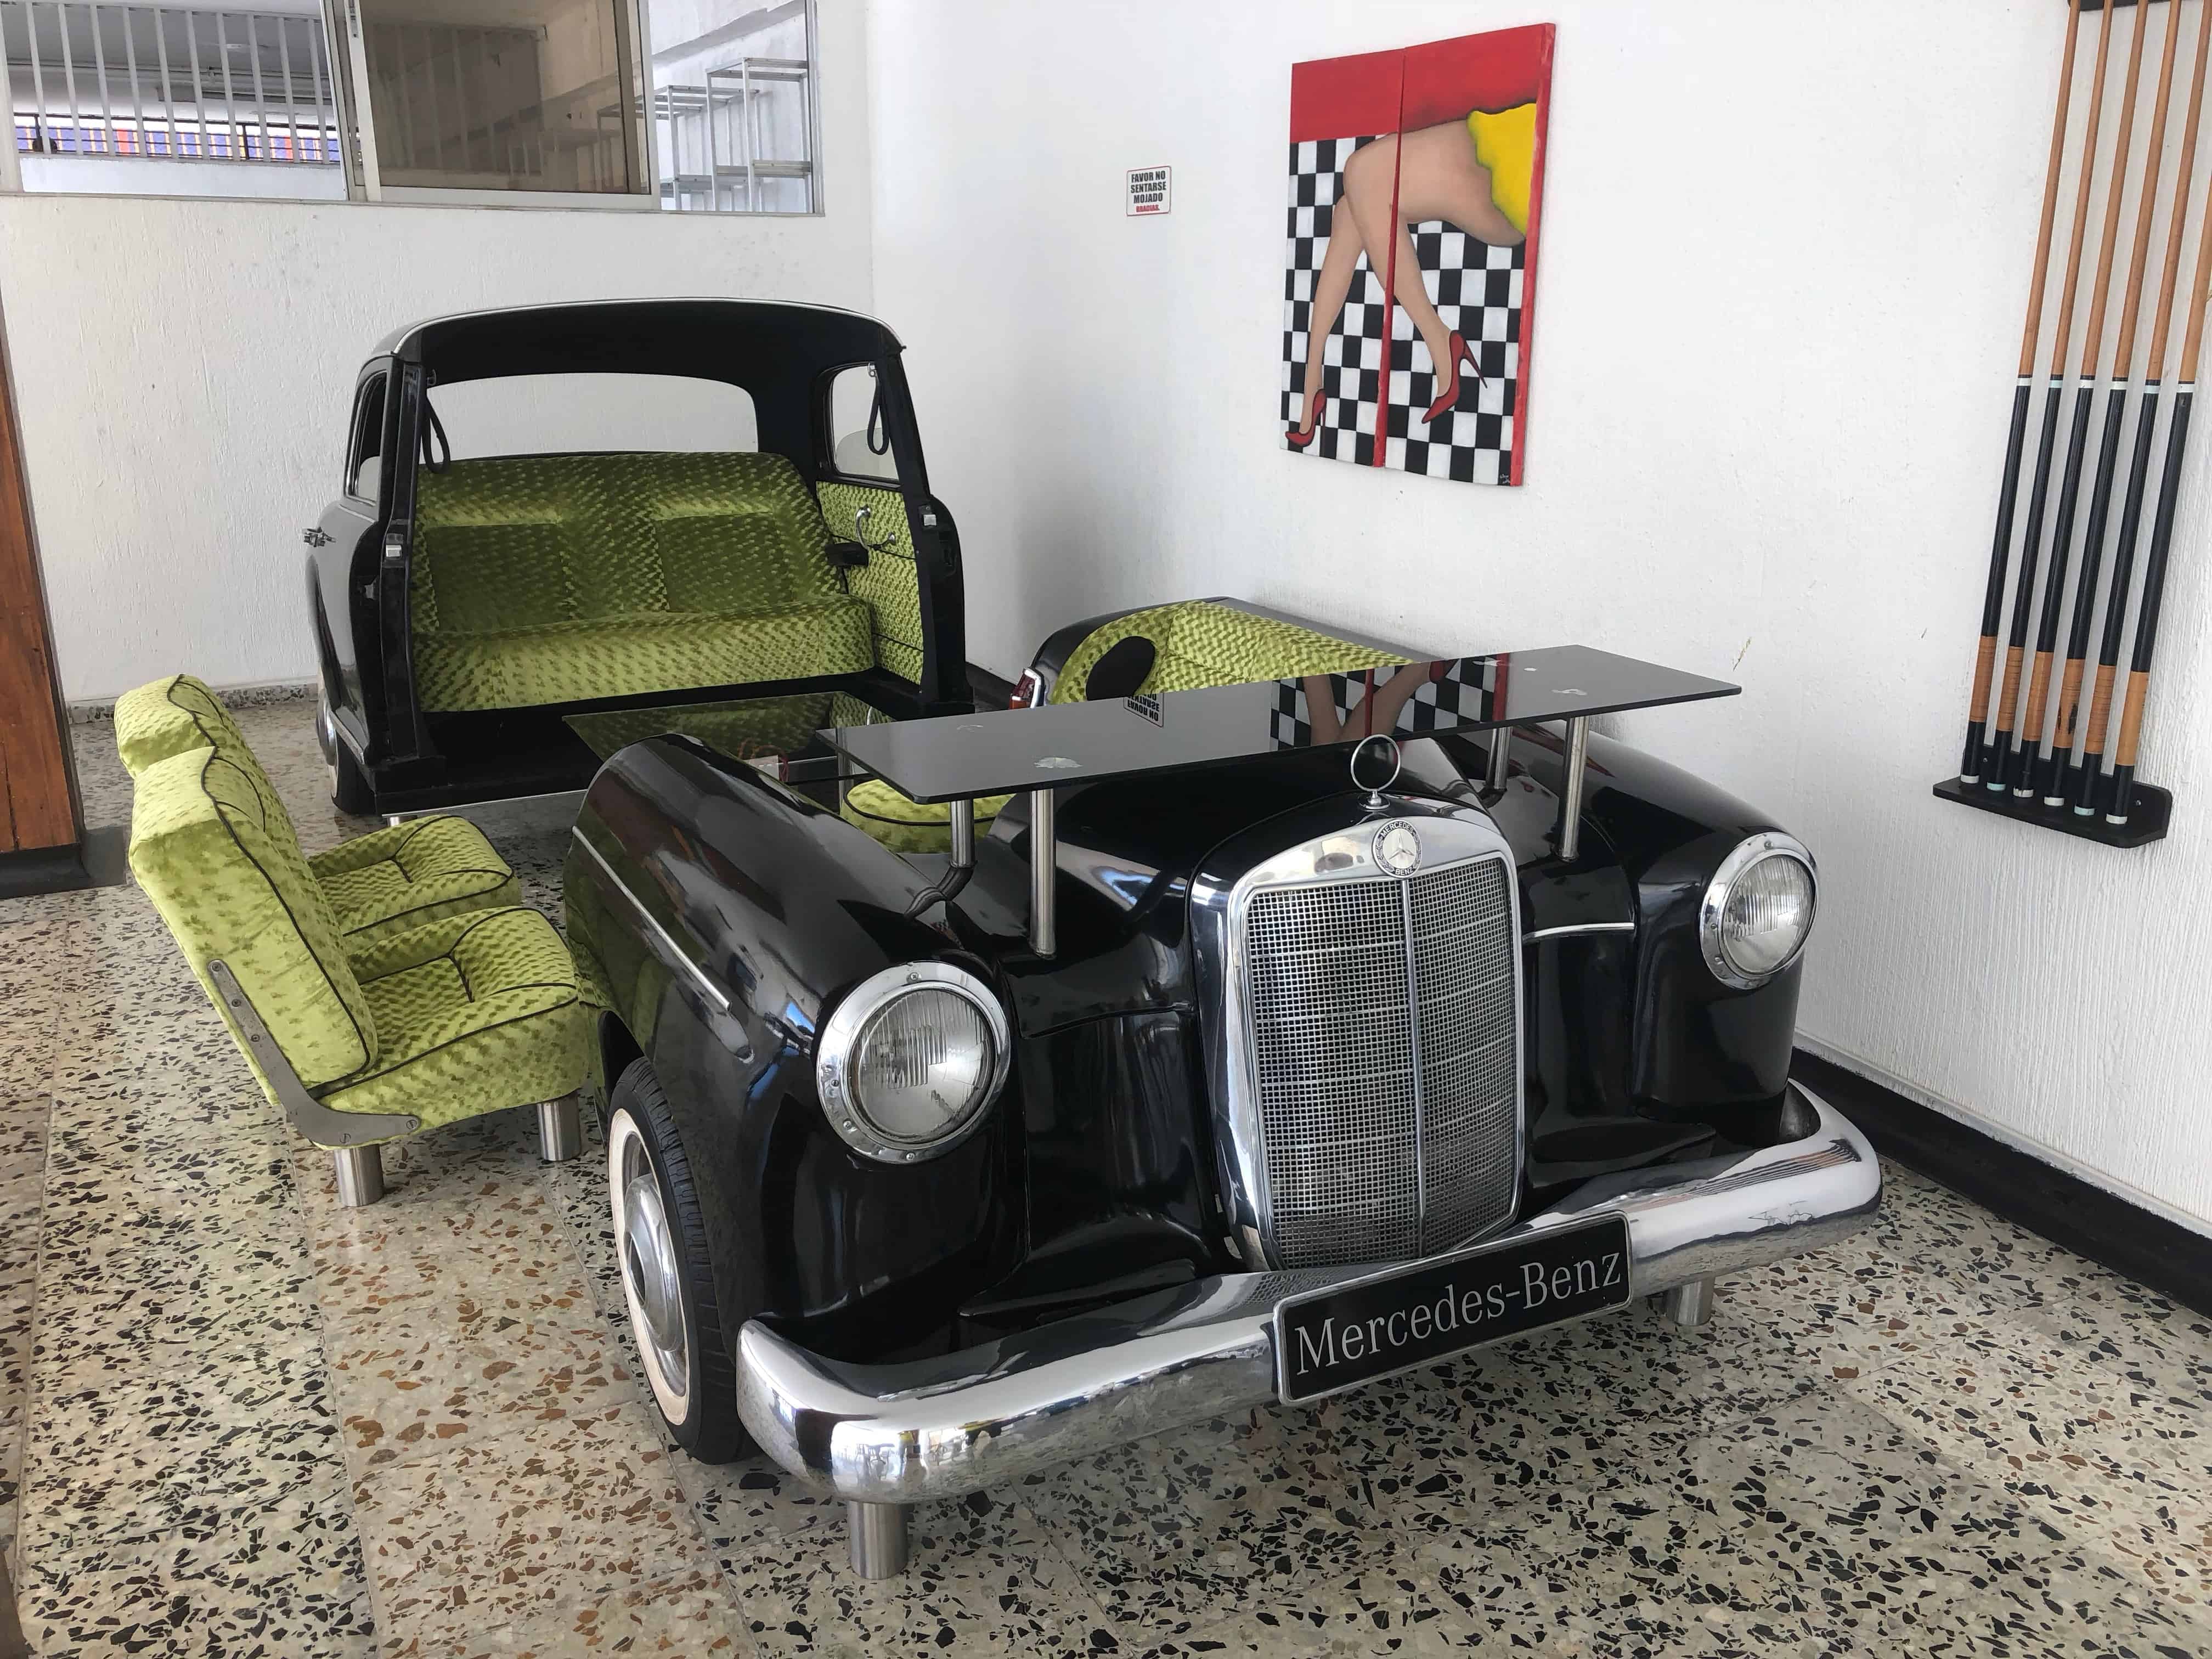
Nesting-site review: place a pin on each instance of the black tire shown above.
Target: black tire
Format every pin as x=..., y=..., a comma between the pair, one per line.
x=704, y=1419
x=349, y=790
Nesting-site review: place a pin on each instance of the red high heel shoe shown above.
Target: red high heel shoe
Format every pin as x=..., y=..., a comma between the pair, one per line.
x=1300, y=439
x=1458, y=351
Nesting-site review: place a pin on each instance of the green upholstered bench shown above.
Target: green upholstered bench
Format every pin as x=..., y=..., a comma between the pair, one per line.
x=551, y=579
x=451, y=1017
x=377, y=884
x=1196, y=643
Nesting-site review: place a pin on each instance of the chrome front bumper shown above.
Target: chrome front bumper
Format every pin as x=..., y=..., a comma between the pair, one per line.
x=938, y=1428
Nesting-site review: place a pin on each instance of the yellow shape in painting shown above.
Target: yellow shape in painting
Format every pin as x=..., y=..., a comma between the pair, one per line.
x=1506, y=144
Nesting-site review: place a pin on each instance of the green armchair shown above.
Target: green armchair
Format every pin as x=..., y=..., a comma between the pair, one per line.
x=359, y=1035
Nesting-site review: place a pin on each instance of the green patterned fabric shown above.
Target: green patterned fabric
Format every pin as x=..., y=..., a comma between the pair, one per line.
x=558, y=579
x=905, y=825
x=474, y=1013
x=170, y=717
x=1203, y=644
x=888, y=583
x=227, y=874
x=406, y=874
x=1200, y=644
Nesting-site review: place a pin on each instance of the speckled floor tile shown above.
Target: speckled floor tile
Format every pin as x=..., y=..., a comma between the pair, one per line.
x=434, y=1376
x=149, y=1304
x=140, y=1456
x=283, y=1580
x=1389, y=1606
x=692, y=1613
x=1167, y=1531
x=526, y=1525
x=496, y=1238
x=2058, y=1609
x=2076, y=1447
x=736, y=1502
x=983, y=1579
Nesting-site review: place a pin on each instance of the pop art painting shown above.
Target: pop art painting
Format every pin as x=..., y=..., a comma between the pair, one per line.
x=1417, y=185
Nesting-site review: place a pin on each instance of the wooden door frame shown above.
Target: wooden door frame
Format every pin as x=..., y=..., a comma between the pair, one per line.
x=41, y=811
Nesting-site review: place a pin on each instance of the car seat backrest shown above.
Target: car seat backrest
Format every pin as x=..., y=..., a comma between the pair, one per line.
x=213, y=849
x=512, y=542
x=1198, y=643
x=167, y=717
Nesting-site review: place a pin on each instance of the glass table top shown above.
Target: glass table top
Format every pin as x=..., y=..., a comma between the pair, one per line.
x=961, y=756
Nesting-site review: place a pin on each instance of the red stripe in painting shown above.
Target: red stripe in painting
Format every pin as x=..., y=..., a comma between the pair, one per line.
x=1346, y=97
x=1445, y=79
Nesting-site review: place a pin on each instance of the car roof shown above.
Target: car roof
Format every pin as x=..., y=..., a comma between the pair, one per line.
x=647, y=335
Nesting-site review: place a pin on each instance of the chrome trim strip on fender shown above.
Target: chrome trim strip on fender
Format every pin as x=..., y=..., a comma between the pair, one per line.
x=923, y=1430
x=676, y=956
x=1573, y=928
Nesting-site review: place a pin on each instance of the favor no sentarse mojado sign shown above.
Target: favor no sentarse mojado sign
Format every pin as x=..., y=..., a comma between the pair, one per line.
x=1149, y=192
x=1417, y=184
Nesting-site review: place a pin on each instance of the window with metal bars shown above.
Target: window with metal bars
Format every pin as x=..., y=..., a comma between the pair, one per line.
x=690, y=105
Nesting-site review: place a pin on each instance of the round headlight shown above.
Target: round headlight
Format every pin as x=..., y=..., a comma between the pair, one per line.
x=1758, y=910
x=909, y=1061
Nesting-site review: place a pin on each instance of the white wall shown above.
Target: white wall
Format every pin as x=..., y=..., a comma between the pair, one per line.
x=1784, y=252
x=184, y=370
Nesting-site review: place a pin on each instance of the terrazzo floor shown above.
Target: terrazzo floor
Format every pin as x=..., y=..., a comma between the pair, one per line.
x=235, y=1421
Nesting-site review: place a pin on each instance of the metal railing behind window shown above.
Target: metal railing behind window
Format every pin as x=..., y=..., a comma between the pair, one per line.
x=718, y=144
x=168, y=82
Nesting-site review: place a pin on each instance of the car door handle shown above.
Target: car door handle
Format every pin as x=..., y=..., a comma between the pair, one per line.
x=315, y=536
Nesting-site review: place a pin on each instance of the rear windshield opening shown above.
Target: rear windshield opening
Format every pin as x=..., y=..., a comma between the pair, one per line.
x=583, y=414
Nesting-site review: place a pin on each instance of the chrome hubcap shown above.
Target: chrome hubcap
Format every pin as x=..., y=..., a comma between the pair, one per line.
x=649, y=1271
x=326, y=736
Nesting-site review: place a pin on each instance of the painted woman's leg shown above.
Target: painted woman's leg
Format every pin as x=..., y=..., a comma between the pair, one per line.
x=1368, y=191
x=1330, y=288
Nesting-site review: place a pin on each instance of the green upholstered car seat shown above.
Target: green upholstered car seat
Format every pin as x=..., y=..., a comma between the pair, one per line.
x=459, y=1016
x=1196, y=644
x=548, y=579
x=377, y=884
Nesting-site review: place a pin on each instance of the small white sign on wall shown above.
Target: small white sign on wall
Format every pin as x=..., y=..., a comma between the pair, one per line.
x=1149, y=191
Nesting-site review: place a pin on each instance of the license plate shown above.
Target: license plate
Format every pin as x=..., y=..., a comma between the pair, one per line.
x=1336, y=1339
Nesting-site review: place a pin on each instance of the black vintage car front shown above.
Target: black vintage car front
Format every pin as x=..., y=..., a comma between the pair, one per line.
x=1209, y=1077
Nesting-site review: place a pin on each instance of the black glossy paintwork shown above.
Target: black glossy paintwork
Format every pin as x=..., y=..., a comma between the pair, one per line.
x=786, y=908
x=1094, y=1176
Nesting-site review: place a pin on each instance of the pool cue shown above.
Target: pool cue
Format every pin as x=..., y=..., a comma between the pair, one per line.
x=1985, y=653
x=2020, y=754
x=2030, y=552
x=2121, y=798
x=2063, y=780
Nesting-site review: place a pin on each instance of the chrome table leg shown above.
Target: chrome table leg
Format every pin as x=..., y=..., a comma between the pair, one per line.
x=1570, y=797
x=360, y=1176
x=881, y=1538
x=560, y=1129
x=1044, y=871
x=1688, y=1305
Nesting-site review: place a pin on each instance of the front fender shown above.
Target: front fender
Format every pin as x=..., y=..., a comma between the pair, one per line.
x=726, y=917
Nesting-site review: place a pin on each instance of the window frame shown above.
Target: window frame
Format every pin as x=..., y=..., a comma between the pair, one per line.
x=374, y=382
x=345, y=50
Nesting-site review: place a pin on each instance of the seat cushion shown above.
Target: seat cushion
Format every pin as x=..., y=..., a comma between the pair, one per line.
x=905, y=825
x=406, y=874
x=213, y=850
x=561, y=578
x=1200, y=644
x=474, y=1013
x=169, y=717
x=628, y=656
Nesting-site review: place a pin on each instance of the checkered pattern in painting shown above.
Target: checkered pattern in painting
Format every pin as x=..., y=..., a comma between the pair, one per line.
x=1463, y=693
x=1351, y=355
x=1477, y=290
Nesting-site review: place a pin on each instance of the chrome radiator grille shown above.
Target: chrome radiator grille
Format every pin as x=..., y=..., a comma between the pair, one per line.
x=1385, y=1061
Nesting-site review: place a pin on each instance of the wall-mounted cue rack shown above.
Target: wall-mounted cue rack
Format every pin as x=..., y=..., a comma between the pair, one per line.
x=2008, y=767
